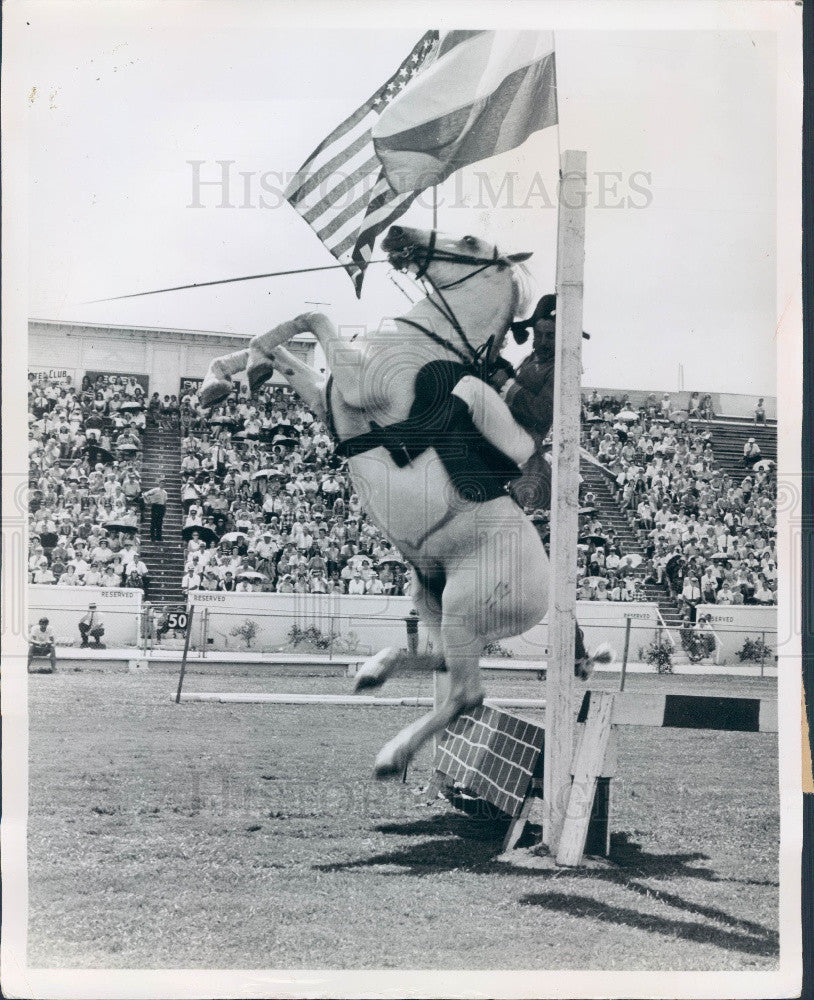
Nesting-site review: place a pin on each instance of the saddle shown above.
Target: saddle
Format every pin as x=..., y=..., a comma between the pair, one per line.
x=479, y=471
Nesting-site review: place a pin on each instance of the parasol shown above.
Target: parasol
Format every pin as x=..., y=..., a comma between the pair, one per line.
x=633, y=560
x=205, y=534
x=391, y=561
x=628, y=416
x=233, y=536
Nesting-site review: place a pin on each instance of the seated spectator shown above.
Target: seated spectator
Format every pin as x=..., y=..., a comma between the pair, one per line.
x=760, y=411
x=41, y=642
x=751, y=453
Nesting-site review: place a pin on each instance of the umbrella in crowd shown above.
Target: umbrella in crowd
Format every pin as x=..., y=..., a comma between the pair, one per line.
x=764, y=465
x=719, y=557
x=588, y=510
x=126, y=446
x=251, y=574
x=131, y=404
x=283, y=430
x=672, y=559
x=205, y=534
x=628, y=416
x=267, y=474
x=283, y=439
x=597, y=539
x=102, y=454
x=679, y=416
x=390, y=561
x=120, y=526
x=633, y=560
x=233, y=537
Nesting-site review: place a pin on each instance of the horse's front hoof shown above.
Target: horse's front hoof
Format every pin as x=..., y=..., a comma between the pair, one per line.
x=584, y=667
x=364, y=681
x=258, y=374
x=389, y=765
x=214, y=392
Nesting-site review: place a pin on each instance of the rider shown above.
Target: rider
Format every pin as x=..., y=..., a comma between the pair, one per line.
x=529, y=394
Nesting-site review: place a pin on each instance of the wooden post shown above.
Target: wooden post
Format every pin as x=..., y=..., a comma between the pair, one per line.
x=190, y=613
x=559, y=742
x=625, y=654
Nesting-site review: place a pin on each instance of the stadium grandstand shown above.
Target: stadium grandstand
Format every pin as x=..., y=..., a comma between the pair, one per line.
x=678, y=499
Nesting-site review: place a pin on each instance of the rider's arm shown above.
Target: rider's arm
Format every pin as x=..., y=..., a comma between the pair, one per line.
x=494, y=420
x=532, y=401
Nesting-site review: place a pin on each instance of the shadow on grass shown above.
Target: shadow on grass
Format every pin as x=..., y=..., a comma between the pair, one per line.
x=460, y=842
x=755, y=940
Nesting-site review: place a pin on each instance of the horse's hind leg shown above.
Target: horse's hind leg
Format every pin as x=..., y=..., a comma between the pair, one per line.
x=462, y=647
x=465, y=692
x=375, y=671
x=217, y=383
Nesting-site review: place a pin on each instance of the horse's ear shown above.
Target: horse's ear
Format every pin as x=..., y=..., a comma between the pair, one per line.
x=518, y=258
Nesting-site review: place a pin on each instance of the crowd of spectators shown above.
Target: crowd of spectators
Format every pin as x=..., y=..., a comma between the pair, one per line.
x=708, y=537
x=269, y=507
x=84, y=455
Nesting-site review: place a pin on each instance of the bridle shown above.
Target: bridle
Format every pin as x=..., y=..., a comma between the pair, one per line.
x=423, y=257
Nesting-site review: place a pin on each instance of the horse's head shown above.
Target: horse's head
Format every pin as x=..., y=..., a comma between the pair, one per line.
x=468, y=271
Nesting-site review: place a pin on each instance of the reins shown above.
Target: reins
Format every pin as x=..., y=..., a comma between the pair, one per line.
x=423, y=257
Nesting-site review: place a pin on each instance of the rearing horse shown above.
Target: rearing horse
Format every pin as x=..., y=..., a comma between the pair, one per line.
x=430, y=449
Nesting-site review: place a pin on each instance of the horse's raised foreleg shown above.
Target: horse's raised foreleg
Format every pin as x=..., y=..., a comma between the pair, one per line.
x=344, y=357
x=217, y=383
x=308, y=385
x=261, y=348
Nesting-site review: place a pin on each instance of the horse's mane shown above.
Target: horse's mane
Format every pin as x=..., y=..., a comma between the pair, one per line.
x=524, y=291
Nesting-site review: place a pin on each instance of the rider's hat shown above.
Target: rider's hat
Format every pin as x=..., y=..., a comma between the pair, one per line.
x=546, y=308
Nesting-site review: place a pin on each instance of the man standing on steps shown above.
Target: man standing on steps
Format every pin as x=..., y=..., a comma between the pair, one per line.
x=157, y=499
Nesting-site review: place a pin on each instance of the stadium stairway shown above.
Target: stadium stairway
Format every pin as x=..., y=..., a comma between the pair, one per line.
x=598, y=482
x=161, y=459
x=729, y=437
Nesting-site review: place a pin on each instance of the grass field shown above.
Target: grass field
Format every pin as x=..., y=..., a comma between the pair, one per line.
x=251, y=836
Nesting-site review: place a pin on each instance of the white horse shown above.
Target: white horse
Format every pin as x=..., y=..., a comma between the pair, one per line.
x=430, y=448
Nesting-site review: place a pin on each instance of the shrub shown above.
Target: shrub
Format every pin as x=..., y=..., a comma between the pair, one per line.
x=247, y=631
x=754, y=651
x=311, y=635
x=660, y=652
x=495, y=649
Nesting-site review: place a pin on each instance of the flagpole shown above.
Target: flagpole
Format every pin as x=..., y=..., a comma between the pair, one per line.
x=557, y=94
x=435, y=206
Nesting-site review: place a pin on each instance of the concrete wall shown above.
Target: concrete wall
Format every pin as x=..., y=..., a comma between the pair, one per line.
x=733, y=624
x=164, y=356
x=724, y=404
x=64, y=606
x=367, y=624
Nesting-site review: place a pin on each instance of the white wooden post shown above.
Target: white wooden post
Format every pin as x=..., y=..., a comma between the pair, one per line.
x=559, y=738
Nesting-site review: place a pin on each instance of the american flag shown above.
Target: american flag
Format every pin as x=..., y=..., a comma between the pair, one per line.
x=341, y=190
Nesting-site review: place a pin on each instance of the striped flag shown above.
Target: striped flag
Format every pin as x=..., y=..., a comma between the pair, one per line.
x=341, y=190
x=485, y=93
